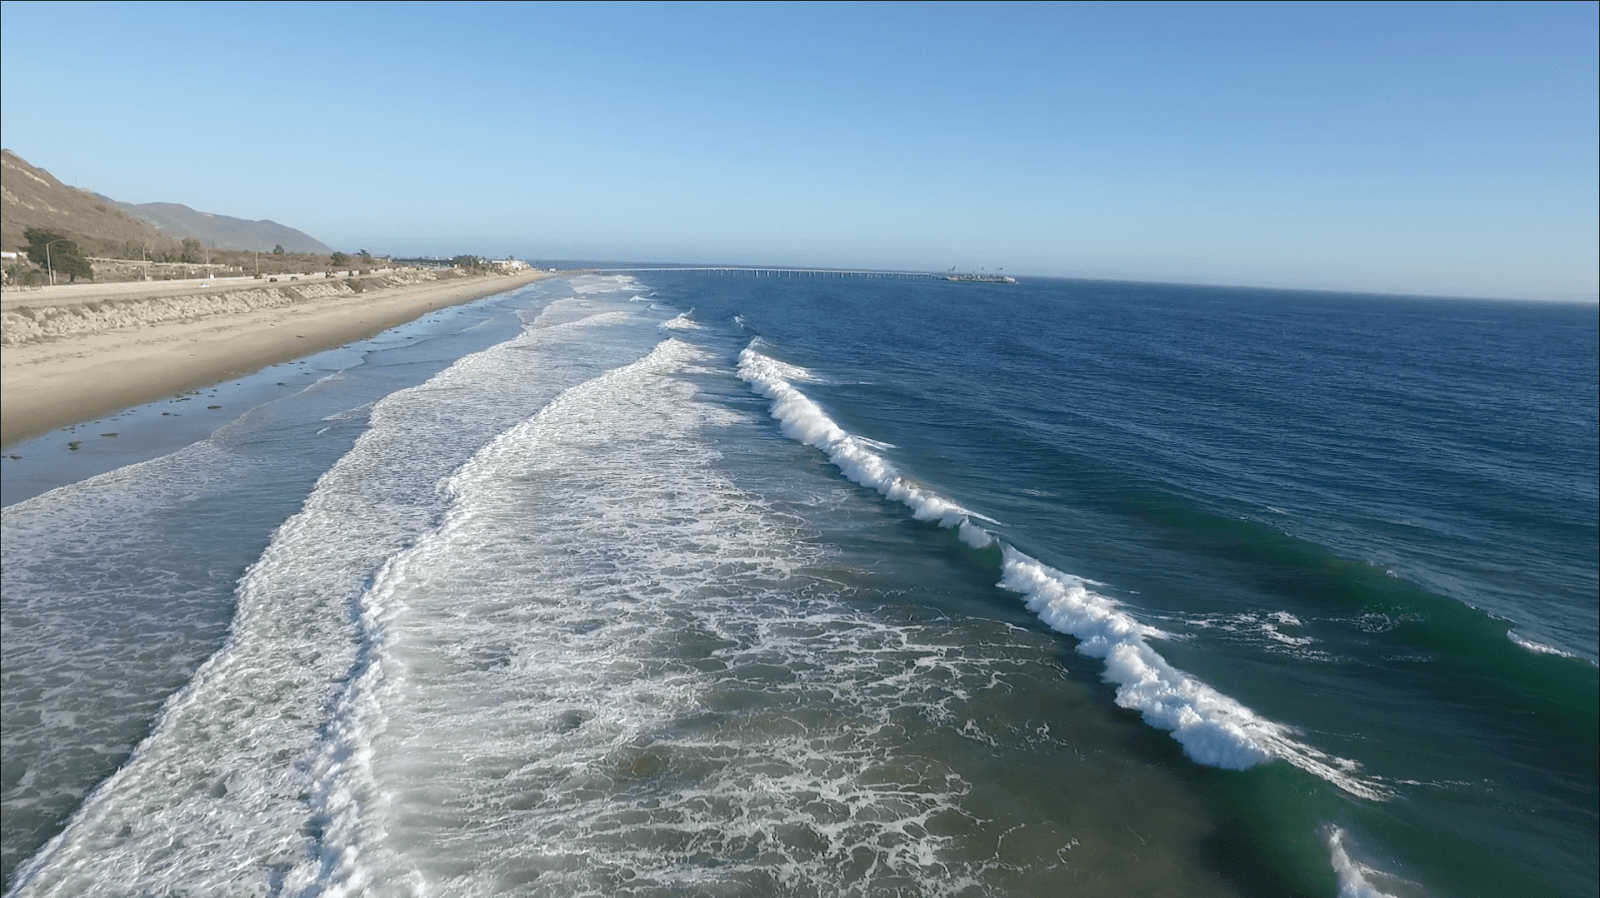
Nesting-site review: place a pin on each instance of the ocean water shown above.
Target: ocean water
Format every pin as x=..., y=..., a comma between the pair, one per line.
x=669, y=583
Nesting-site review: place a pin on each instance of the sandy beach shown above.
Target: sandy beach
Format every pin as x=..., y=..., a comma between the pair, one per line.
x=71, y=357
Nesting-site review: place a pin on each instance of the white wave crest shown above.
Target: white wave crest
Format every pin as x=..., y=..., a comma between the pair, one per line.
x=802, y=420
x=1213, y=728
x=1353, y=882
x=1537, y=647
x=681, y=323
x=602, y=283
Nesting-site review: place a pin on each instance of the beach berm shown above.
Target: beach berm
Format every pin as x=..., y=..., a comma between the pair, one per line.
x=72, y=355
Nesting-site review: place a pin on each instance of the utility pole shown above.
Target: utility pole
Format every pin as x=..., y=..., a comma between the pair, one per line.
x=47, y=265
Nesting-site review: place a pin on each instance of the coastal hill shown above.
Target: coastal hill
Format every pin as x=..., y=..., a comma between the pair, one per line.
x=102, y=226
x=222, y=231
x=33, y=198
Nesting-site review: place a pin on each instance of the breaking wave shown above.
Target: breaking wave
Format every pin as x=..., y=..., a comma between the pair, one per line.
x=1353, y=875
x=1214, y=729
x=1538, y=648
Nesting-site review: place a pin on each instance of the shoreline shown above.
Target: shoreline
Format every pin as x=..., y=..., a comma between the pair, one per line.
x=54, y=383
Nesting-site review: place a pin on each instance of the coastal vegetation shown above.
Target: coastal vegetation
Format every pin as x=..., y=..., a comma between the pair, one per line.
x=56, y=254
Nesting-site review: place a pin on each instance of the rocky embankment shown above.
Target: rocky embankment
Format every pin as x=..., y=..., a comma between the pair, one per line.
x=45, y=319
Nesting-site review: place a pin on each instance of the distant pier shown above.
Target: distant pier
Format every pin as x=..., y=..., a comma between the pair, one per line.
x=792, y=272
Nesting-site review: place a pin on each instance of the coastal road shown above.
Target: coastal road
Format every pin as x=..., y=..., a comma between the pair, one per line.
x=72, y=294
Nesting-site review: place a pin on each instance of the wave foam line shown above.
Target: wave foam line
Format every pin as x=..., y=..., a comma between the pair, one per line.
x=802, y=420
x=1214, y=729
x=683, y=322
x=1353, y=882
x=350, y=801
x=1538, y=648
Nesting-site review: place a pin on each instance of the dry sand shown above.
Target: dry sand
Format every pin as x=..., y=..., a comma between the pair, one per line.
x=101, y=356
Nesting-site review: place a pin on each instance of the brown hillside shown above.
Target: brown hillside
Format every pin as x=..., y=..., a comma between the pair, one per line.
x=33, y=198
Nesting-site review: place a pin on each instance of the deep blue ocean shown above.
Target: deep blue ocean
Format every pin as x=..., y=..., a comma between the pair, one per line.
x=672, y=583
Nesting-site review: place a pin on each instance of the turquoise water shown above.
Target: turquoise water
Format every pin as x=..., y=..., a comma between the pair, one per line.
x=682, y=584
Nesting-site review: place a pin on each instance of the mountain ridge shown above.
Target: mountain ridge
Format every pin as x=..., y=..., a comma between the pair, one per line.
x=225, y=231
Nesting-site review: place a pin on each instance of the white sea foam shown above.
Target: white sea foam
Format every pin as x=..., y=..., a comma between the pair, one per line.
x=214, y=801
x=1354, y=878
x=103, y=542
x=801, y=419
x=1213, y=728
x=534, y=704
x=1537, y=647
x=1246, y=625
x=603, y=283
x=349, y=794
x=681, y=322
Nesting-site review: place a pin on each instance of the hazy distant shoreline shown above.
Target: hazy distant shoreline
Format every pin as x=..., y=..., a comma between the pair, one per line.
x=69, y=358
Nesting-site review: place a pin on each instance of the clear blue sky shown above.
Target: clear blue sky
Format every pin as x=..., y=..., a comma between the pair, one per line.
x=1424, y=148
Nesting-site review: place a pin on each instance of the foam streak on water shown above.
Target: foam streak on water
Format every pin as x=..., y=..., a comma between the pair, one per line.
x=1213, y=728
